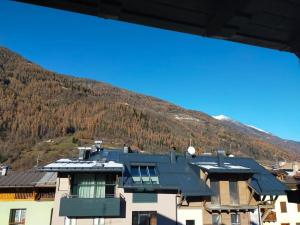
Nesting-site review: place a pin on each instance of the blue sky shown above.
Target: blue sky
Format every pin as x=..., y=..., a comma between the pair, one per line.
x=256, y=86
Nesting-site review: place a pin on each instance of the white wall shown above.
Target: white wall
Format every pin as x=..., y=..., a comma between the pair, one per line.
x=292, y=216
x=185, y=213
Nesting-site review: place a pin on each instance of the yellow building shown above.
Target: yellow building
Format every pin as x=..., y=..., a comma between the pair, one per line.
x=26, y=197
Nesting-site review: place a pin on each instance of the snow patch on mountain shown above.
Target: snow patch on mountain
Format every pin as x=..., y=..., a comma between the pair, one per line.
x=261, y=130
x=186, y=117
x=222, y=117
x=226, y=118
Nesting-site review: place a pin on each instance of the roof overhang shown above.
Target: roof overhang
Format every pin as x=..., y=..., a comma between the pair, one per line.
x=271, y=24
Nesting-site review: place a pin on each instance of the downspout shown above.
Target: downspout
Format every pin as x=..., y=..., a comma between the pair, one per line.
x=176, y=209
x=259, y=216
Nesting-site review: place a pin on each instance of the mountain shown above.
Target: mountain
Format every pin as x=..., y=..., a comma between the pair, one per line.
x=290, y=145
x=45, y=116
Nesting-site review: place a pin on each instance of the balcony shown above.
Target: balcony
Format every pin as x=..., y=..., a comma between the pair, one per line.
x=90, y=207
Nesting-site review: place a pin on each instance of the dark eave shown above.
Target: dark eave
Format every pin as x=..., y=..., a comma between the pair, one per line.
x=271, y=24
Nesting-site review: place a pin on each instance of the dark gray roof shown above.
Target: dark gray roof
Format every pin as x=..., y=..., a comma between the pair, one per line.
x=177, y=176
x=262, y=181
x=26, y=179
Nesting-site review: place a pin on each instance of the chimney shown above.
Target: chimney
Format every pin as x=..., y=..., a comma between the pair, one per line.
x=221, y=154
x=98, y=145
x=172, y=156
x=4, y=170
x=84, y=153
x=125, y=149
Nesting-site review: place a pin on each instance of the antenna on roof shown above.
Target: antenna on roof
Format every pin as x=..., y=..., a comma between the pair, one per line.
x=191, y=150
x=37, y=160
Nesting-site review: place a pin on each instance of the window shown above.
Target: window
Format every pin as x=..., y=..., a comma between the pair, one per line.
x=235, y=219
x=215, y=187
x=283, y=207
x=99, y=221
x=144, y=218
x=234, y=192
x=93, y=186
x=144, y=174
x=70, y=221
x=17, y=216
x=216, y=219
x=190, y=222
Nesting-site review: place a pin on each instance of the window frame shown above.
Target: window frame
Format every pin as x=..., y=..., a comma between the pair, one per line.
x=136, y=216
x=215, y=187
x=189, y=222
x=283, y=207
x=238, y=219
x=146, y=177
x=110, y=182
x=12, y=216
x=70, y=221
x=234, y=196
x=214, y=222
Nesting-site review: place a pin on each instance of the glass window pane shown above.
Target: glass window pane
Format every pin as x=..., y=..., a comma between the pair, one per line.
x=234, y=194
x=216, y=219
x=144, y=218
x=144, y=171
x=215, y=187
x=17, y=216
x=152, y=171
x=190, y=222
x=135, y=171
x=235, y=219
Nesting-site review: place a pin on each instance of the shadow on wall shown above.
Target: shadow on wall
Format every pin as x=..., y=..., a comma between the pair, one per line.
x=163, y=220
x=123, y=207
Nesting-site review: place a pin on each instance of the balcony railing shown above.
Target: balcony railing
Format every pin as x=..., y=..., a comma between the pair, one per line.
x=74, y=206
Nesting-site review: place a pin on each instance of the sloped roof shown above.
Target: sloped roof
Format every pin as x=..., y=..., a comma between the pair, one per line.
x=177, y=176
x=262, y=181
x=26, y=179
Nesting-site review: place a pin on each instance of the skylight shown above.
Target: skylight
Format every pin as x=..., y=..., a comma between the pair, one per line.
x=144, y=174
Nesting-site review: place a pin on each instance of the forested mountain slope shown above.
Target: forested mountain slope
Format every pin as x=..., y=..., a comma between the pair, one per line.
x=44, y=116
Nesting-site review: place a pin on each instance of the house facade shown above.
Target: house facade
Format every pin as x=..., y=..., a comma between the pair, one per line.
x=287, y=208
x=117, y=187
x=26, y=197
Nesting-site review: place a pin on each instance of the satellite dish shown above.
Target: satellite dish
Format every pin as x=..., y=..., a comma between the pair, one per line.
x=191, y=150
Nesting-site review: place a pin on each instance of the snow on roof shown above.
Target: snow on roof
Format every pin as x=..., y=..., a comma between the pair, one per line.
x=77, y=164
x=216, y=166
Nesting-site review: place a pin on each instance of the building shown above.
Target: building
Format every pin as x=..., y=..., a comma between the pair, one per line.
x=26, y=197
x=287, y=208
x=116, y=187
x=243, y=190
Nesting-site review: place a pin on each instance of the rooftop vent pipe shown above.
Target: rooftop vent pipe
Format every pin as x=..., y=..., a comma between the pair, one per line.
x=98, y=144
x=172, y=156
x=4, y=170
x=221, y=155
x=125, y=148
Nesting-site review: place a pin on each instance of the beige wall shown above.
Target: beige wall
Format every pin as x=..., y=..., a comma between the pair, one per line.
x=62, y=188
x=244, y=194
x=190, y=213
x=224, y=193
x=165, y=207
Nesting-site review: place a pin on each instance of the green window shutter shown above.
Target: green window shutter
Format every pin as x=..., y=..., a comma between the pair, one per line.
x=144, y=197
